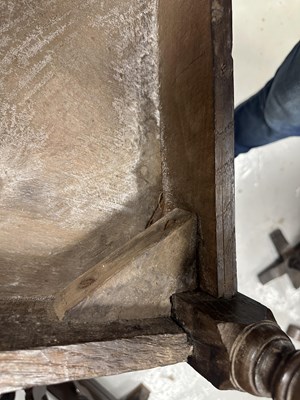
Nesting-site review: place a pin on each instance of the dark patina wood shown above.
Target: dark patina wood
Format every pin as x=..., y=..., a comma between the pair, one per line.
x=237, y=344
x=197, y=129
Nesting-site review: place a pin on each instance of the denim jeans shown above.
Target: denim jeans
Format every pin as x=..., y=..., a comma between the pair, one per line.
x=274, y=112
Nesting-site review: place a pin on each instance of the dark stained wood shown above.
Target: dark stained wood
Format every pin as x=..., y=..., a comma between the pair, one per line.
x=137, y=280
x=24, y=368
x=221, y=13
x=238, y=345
x=34, y=324
x=197, y=129
x=214, y=325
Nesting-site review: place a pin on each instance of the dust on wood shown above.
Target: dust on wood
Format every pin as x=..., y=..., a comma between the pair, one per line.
x=79, y=135
x=139, y=278
x=57, y=364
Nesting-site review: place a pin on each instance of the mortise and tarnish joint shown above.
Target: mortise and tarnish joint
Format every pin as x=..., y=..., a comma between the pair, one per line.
x=238, y=345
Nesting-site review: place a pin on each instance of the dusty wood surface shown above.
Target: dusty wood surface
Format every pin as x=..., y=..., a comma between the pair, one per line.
x=34, y=324
x=80, y=169
x=59, y=364
x=80, y=134
x=197, y=135
x=81, y=176
x=137, y=280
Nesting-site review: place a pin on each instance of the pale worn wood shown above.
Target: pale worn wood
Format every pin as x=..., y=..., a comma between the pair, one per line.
x=56, y=364
x=80, y=168
x=85, y=130
x=138, y=279
x=197, y=136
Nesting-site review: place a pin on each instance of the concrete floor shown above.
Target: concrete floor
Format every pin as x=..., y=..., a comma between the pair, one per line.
x=267, y=194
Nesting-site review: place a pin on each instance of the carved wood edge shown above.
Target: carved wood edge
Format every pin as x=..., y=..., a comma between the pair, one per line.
x=237, y=345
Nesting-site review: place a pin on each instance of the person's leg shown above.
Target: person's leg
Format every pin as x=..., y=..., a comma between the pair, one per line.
x=274, y=112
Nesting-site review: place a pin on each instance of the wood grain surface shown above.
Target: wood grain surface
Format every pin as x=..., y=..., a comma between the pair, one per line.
x=34, y=325
x=80, y=168
x=84, y=126
x=137, y=280
x=56, y=364
x=112, y=114
x=197, y=129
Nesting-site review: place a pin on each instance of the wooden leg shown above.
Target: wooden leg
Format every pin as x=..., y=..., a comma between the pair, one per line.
x=238, y=345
